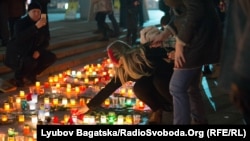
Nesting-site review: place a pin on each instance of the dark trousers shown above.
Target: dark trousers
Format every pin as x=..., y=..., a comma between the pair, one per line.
x=132, y=23
x=154, y=90
x=33, y=67
x=101, y=24
x=114, y=23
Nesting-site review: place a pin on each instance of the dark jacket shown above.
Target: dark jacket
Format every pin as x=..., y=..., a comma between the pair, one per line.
x=197, y=25
x=161, y=68
x=27, y=39
x=16, y=8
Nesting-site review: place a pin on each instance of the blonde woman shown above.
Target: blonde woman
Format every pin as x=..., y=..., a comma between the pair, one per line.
x=150, y=72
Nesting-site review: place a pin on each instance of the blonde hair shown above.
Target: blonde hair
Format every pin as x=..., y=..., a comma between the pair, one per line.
x=133, y=61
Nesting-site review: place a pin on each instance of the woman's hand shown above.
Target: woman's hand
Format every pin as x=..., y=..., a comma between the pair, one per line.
x=82, y=110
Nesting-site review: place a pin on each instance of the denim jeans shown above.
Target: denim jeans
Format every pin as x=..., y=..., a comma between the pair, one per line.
x=187, y=98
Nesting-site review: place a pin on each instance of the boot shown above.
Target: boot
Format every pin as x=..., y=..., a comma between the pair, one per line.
x=155, y=118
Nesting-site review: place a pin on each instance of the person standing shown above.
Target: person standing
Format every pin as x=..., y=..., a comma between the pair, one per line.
x=198, y=42
x=132, y=21
x=17, y=9
x=27, y=53
x=116, y=29
x=102, y=8
x=234, y=78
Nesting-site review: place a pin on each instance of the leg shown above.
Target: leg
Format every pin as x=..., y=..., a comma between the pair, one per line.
x=114, y=23
x=45, y=60
x=196, y=101
x=179, y=85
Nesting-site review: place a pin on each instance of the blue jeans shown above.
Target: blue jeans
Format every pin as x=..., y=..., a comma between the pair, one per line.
x=187, y=98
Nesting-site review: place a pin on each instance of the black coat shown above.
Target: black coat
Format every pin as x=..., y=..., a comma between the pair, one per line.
x=27, y=39
x=197, y=24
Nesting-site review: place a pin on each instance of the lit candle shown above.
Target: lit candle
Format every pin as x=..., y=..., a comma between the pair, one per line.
x=58, y=85
x=96, y=80
x=21, y=118
x=32, y=106
x=73, y=73
x=46, y=84
x=64, y=101
x=77, y=89
x=66, y=118
x=107, y=102
x=34, y=134
x=122, y=91
x=55, y=101
x=53, y=89
x=72, y=102
x=86, y=80
x=51, y=80
x=4, y=118
x=34, y=119
x=120, y=119
x=26, y=130
x=81, y=102
x=103, y=119
x=141, y=105
x=130, y=93
x=6, y=107
x=34, y=98
x=46, y=101
x=37, y=84
x=22, y=94
x=68, y=90
x=92, y=120
x=86, y=119
x=128, y=119
x=18, y=103
x=55, y=78
x=79, y=74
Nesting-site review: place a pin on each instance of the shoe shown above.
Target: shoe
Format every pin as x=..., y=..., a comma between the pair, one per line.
x=155, y=118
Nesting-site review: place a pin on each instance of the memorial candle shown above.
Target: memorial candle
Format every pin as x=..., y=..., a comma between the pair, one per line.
x=64, y=101
x=26, y=130
x=6, y=107
x=4, y=118
x=21, y=118
x=22, y=94
x=38, y=84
